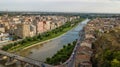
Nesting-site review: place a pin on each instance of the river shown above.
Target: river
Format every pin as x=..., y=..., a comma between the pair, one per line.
x=42, y=51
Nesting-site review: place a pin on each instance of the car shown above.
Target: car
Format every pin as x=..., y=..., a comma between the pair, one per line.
x=42, y=65
x=73, y=53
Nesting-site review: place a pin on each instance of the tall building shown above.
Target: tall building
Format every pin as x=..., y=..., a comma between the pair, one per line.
x=46, y=25
x=32, y=30
x=23, y=30
x=40, y=27
x=52, y=25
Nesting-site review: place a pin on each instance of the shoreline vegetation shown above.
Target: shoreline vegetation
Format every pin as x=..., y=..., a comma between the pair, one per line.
x=107, y=49
x=41, y=38
x=62, y=55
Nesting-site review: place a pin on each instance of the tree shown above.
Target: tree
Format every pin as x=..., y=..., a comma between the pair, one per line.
x=39, y=36
x=64, y=46
x=69, y=44
x=16, y=43
x=14, y=37
x=74, y=42
x=108, y=55
x=24, y=41
x=35, y=38
x=48, y=59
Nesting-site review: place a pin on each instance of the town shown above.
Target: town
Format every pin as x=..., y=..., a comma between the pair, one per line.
x=20, y=27
x=59, y=33
x=94, y=29
x=16, y=31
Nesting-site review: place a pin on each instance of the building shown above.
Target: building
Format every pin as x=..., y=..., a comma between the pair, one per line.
x=2, y=29
x=46, y=25
x=4, y=36
x=83, y=57
x=52, y=25
x=23, y=30
x=40, y=27
x=32, y=30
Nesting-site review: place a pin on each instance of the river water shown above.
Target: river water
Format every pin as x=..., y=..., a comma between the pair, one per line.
x=48, y=49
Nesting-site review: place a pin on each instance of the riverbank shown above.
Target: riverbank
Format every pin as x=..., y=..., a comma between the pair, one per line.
x=45, y=39
x=40, y=43
x=65, y=52
x=20, y=48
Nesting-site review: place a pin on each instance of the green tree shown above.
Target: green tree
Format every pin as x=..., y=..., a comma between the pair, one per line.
x=14, y=37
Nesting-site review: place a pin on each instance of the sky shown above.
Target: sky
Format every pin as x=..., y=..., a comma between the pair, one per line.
x=89, y=6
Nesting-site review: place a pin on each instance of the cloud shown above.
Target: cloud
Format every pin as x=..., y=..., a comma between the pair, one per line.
x=55, y=0
x=114, y=0
x=61, y=5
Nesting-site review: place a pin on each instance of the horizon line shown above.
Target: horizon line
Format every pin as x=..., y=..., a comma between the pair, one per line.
x=59, y=12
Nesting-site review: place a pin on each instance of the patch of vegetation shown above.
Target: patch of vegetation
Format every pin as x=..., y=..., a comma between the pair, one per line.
x=107, y=49
x=62, y=55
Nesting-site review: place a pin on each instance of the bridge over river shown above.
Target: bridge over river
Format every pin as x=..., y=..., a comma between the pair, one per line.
x=32, y=62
